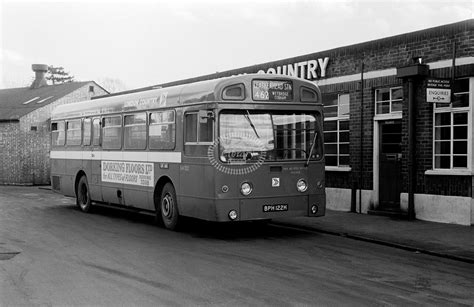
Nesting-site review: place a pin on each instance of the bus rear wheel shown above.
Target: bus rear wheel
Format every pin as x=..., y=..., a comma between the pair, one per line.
x=169, y=207
x=83, y=198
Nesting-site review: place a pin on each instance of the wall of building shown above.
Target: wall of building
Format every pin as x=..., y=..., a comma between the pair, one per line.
x=27, y=143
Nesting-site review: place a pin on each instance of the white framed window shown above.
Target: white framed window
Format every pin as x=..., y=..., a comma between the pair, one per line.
x=452, y=129
x=336, y=129
x=388, y=100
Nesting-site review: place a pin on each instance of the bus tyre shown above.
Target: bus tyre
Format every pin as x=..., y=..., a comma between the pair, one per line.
x=83, y=198
x=169, y=207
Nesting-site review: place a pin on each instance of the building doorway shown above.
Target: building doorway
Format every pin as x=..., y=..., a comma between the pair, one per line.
x=390, y=168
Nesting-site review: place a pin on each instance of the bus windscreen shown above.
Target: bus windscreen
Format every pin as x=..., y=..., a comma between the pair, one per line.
x=245, y=137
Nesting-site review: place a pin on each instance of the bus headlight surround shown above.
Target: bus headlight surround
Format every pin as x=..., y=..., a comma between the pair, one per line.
x=246, y=188
x=301, y=185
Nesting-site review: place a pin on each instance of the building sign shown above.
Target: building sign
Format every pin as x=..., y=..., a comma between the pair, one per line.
x=438, y=90
x=309, y=70
x=134, y=173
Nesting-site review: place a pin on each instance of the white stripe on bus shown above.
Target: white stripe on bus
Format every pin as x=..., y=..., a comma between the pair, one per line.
x=148, y=156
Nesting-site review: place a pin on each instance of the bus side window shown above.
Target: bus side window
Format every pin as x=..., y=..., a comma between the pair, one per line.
x=74, y=132
x=198, y=131
x=58, y=136
x=112, y=132
x=134, y=133
x=162, y=130
x=86, y=125
x=96, y=132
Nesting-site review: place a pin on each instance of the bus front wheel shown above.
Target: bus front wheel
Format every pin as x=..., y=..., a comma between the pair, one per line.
x=83, y=198
x=169, y=207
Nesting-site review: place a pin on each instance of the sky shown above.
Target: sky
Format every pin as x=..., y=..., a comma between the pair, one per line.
x=133, y=44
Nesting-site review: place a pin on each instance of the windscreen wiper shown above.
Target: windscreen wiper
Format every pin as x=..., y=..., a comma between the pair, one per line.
x=247, y=116
x=312, y=148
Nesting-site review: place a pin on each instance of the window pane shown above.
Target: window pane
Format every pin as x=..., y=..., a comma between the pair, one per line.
x=344, y=102
x=343, y=160
x=443, y=133
x=330, y=137
x=205, y=131
x=460, y=118
x=344, y=149
x=460, y=147
x=162, y=136
x=96, y=132
x=383, y=107
x=443, y=119
x=460, y=100
x=330, y=149
x=460, y=132
x=74, y=133
x=112, y=132
x=191, y=128
x=442, y=162
x=460, y=161
x=58, y=135
x=330, y=111
x=344, y=136
x=331, y=160
x=87, y=131
x=165, y=117
x=330, y=125
x=397, y=93
x=397, y=106
x=382, y=94
x=443, y=147
x=343, y=125
x=135, y=131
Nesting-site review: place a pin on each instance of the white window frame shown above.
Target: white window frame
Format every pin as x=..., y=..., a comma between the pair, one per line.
x=338, y=119
x=449, y=109
x=391, y=113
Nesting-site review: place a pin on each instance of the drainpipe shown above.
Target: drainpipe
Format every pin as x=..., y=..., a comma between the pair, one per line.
x=361, y=133
x=411, y=148
x=411, y=74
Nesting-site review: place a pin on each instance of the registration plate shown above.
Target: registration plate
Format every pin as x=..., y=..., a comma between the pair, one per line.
x=275, y=208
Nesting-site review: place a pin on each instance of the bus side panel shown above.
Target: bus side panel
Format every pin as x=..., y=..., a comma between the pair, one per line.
x=196, y=191
x=73, y=166
x=58, y=173
x=91, y=166
x=112, y=192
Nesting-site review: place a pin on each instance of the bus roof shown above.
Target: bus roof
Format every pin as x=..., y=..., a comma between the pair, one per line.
x=199, y=92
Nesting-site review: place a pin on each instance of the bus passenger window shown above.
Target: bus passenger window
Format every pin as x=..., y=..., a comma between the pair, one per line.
x=112, y=132
x=162, y=130
x=87, y=132
x=96, y=132
x=198, y=132
x=134, y=134
x=57, y=134
x=191, y=128
x=73, y=134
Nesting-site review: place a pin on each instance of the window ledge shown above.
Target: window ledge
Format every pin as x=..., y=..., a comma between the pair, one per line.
x=338, y=168
x=450, y=172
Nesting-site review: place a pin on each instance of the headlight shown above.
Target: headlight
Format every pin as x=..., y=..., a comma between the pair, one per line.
x=246, y=188
x=301, y=185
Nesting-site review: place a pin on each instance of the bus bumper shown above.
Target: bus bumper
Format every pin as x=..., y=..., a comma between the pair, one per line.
x=271, y=207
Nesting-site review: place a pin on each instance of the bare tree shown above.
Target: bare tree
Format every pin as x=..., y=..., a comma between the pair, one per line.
x=57, y=75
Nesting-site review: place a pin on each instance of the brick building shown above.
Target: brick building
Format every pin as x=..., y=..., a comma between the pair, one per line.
x=391, y=145
x=25, y=125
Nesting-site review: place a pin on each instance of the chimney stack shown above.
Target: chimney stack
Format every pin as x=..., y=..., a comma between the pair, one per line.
x=40, y=72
